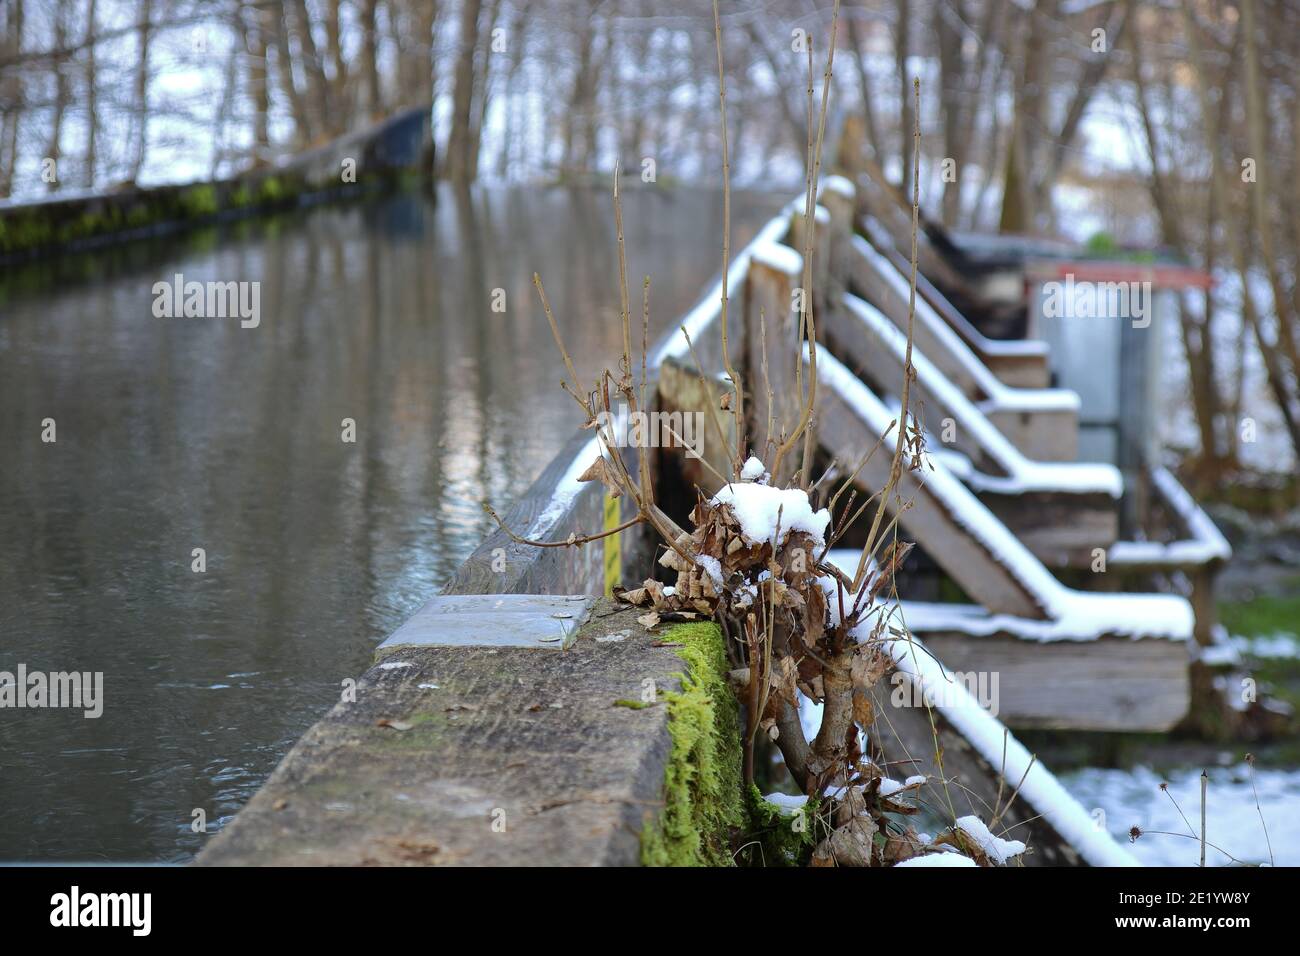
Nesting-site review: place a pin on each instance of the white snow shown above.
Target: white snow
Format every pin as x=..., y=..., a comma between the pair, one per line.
x=709, y=307
x=763, y=511
x=1072, y=615
x=394, y=665
x=779, y=256
x=925, y=617
x=1206, y=543
x=787, y=803
x=1126, y=798
x=889, y=786
x=566, y=489
x=995, y=848
x=959, y=322
x=1022, y=474
x=938, y=859
x=753, y=470
x=840, y=185
x=1275, y=645
x=712, y=566
x=1040, y=790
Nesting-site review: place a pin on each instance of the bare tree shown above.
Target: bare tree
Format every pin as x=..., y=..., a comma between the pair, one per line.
x=457, y=164
x=92, y=90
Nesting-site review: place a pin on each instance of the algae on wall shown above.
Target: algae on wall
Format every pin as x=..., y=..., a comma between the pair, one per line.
x=703, y=798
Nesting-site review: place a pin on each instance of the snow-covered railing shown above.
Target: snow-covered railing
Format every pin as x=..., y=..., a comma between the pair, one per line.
x=1017, y=362
x=1203, y=545
x=1042, y=421
x=1038, y=788
x=699, y=320
x=1069, y=615
x=973, y=428
x=989, y=388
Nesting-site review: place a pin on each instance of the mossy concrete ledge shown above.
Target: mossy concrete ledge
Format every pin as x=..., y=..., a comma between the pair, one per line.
x=513, y=756
x=387, y=153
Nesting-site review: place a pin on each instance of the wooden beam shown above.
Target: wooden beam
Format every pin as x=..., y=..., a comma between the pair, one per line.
x=1112, y=684
x=980, y=573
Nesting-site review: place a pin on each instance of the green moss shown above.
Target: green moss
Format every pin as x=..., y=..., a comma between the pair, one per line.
x=632, y=704
x=199, y=201
x=270, y=190
x=703, y=797
x=1265, y=615
x=785, y=839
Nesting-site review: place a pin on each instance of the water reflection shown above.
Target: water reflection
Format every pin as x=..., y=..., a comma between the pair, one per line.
x=176, y=434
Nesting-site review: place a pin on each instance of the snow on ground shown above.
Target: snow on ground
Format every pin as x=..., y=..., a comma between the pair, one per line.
x=1131, y=798
x=1277, y=644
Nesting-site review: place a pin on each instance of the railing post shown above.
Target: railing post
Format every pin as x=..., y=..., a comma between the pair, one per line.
x=772, y=342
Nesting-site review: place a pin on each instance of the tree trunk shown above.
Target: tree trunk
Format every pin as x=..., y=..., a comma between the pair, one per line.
x=483, y=74
x=313, y=68
x=952, y=88
x=902, y=44
x=858, y=43
x=92, y=111
x=304, y=129
x=62, y=93
x=374, y=101
x=255, y=34
x=457, y=164
x=141, y=98
x=11, y=95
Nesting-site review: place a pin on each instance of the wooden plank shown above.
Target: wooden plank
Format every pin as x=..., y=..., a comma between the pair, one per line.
x=852, y=341
x=866, y=281
x=1019, y=369
x=1048, y=433
x=771, y=318
x=681, y=390
x=1061, y=529
x=1043, y=434
x=1019, y=363
x=1109, y=684
x=928, y=521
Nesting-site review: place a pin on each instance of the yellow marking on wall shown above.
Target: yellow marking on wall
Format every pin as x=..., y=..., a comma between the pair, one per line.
x=613, y=546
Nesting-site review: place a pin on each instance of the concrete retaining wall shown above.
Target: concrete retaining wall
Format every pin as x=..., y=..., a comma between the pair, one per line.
x=399, y=146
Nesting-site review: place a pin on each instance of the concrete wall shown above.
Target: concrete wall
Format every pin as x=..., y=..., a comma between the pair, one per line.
x=399, y=146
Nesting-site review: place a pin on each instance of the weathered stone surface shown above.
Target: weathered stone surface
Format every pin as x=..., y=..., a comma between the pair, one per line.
x=545, y=621
x=530, y=739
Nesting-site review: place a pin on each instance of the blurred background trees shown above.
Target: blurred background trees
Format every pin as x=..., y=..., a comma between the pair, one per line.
x=1126, y=122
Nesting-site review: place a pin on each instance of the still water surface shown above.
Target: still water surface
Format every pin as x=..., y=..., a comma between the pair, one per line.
x=176, y=434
